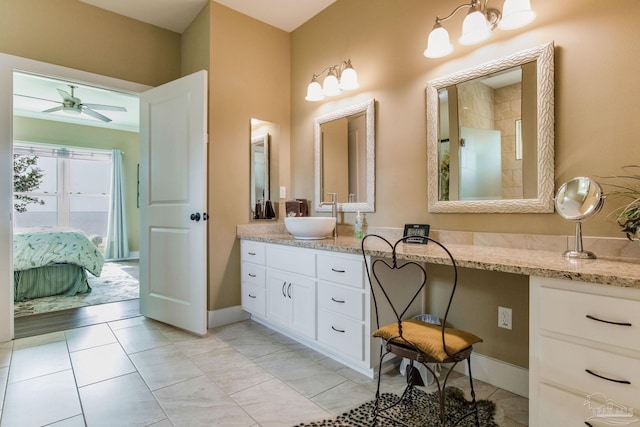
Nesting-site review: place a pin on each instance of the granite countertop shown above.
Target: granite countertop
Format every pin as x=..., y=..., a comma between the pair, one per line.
x=623, y=272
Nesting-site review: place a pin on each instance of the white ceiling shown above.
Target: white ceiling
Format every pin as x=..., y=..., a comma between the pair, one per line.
x=176, y=15
x=34, y=94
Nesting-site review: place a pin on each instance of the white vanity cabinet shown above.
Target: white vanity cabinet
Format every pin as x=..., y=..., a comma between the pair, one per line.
x=317, y=297
x=291, y=302
x=342, y=312
x=584, y=353
x=253, y=273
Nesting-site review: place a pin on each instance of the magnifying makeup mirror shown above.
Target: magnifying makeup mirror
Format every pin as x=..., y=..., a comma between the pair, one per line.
x=577, y=200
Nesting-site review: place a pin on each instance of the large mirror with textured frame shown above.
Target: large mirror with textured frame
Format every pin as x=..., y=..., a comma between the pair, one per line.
x=490, y=136
x=345, y=158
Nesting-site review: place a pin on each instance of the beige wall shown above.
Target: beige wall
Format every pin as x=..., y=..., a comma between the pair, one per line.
x=595, y=77
x=249, y=77
x=596, y=109
x=51, y=132
x=80, y=36
x=196, y=44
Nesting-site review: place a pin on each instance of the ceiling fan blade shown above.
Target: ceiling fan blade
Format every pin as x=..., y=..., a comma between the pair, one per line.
x=51, y=110
x=96, y=115
x=104, y=107
x=35, y=97
x=65, y=95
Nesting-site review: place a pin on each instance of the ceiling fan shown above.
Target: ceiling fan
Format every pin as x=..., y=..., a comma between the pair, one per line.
x=72, y=105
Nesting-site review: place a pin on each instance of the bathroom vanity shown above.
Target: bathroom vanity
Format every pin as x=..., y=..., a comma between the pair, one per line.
x=584, y=323
x=317, y=297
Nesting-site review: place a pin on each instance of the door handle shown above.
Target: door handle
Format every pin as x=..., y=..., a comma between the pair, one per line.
x=195, y=216
x=205, y=216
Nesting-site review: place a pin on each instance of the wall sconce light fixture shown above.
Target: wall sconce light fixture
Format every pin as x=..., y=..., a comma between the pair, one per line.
x=478, y=24
x=339, y=77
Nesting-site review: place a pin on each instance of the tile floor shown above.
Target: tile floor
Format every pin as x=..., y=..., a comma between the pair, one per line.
x=138, y=372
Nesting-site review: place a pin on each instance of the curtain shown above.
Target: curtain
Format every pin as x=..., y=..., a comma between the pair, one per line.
x=117, y=246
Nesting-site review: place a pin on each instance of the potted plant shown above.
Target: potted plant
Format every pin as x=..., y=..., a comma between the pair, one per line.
x=628, y=215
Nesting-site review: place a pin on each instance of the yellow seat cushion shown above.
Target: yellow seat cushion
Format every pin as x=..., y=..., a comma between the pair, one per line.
x=428, y=338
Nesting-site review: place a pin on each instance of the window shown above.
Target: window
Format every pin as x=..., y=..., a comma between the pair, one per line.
x=74, y=190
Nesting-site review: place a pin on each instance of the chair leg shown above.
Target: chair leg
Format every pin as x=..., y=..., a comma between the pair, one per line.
x=376, y=405
x=473, y=394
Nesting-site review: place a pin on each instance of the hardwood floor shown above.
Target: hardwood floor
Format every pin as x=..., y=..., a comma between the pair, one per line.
x=44, y=323
x=61, y=320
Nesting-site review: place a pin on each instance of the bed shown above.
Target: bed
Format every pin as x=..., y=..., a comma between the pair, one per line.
x=47, y=263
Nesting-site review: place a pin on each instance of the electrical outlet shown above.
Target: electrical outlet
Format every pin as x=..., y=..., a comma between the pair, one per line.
x=504, y=317
x=283, y=192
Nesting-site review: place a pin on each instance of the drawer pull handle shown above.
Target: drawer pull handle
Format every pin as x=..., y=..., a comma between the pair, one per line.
x=608, y=321
x=252, y=296
x=289, y=291
x=252, y=275
x=337, y=330
x=605, y=378
x=284, y=284
x=337, y=300
x=252, y=253
x=337, y=271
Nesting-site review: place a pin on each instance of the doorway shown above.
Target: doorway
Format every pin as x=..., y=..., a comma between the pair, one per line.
x=71, y=157
x=8, y=65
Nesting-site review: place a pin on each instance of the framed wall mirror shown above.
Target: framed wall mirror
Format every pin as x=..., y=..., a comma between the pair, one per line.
x=490, y=136
x=345, y=158
x=259, y=175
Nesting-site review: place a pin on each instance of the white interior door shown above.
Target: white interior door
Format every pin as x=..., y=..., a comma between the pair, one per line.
x=173, y=189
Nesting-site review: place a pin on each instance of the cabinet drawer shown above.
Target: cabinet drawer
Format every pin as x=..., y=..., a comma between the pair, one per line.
x=252, y=252
x=343, y=335
x=346, y=270
x=297, y=260
x=253, y=273
x=566, y=312
x=558, y=408
x=566, y=363
x=254, y=299
x=339, y=299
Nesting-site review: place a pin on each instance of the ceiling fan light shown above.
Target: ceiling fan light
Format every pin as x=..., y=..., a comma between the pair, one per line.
x=475, y=28
x=516, y=14
x=314, y=91
x=438, y=44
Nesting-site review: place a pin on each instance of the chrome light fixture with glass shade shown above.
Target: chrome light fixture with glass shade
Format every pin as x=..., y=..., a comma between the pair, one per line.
x=478, y=24
x=339, y=77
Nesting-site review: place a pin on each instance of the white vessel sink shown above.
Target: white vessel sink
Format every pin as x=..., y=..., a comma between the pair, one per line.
x=310, y=227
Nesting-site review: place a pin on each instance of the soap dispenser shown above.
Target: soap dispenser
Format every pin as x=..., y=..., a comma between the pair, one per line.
x=357, y=226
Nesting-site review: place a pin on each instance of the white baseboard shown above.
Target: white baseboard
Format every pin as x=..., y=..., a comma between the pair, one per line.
x=498, y=373
x=225, y=316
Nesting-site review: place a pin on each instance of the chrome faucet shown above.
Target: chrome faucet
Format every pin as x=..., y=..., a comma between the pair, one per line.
x=334, y=210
